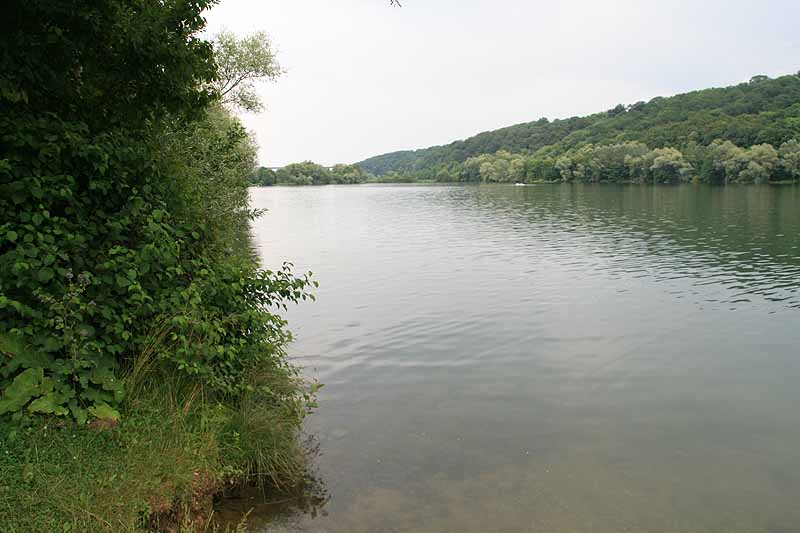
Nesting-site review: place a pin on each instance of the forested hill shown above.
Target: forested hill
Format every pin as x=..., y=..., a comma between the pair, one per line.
x=761, y=111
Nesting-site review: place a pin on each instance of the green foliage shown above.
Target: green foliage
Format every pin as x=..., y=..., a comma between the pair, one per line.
x=348, y=174
x=763, y=111
x=308, y=173
x=242, y=61
x=630, y=161
x=26, y=386
x=720, y=162
x=260, y=435
x=128, y=292
x=790, y=158
x=669, y=166
x=219, y=327
x=262, y=177
x=172, y=446
x=730, y=163
x=207, y=160
x=395, y=177
x=123, y=210
x=89, y=68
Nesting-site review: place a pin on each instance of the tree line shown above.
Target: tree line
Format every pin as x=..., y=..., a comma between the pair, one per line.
x=721, y=162
x=309, y=173
x=747, y=126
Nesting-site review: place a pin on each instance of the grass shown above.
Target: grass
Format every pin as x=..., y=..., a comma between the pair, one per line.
x=156, y=470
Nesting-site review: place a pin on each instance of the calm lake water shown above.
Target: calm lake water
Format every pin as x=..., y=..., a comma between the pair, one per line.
x=547, y=358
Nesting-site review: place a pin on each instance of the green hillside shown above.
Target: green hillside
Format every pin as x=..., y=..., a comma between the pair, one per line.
x=710, y=131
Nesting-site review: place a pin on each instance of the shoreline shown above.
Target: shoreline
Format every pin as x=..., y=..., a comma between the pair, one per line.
x=161, y=467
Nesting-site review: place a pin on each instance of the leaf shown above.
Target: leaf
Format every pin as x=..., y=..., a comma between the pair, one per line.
x=24, y=387
x=10, y=345
x=85, y=330
x=51, y=344
x=103, y=410
x=46, y=274
x=104, y=376
x=48, y=404
x=78, y=412
x=22, y=355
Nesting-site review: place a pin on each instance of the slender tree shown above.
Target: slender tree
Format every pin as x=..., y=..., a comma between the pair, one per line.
x=241, y=62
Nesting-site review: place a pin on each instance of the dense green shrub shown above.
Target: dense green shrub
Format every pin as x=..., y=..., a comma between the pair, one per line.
x=123, y=209
x=208, y=160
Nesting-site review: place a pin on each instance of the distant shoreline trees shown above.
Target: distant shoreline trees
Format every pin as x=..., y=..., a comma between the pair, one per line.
x=720, y=163
x=309, y=173
x=747, y=133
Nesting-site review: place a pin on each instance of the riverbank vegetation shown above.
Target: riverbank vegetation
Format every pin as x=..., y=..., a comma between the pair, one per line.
x=748, y=133
x=142, y=356
x=722, y=162
x=309, y=173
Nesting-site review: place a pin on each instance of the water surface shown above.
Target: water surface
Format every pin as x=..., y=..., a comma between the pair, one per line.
x=548, y=358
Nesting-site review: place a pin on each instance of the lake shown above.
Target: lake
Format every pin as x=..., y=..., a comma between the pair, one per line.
x=548, y=358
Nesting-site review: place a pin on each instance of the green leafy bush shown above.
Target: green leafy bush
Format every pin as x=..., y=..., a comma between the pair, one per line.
x=123, y=210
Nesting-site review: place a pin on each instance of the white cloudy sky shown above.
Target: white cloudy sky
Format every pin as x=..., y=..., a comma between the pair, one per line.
x=364, y=78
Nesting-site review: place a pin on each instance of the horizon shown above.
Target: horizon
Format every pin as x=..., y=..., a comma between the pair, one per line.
x=550, y=119
x=434, y=80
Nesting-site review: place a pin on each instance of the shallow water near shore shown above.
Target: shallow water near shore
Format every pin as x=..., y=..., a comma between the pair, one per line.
x=546, y=358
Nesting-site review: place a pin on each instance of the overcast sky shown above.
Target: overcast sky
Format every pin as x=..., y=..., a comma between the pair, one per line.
x=365, y=78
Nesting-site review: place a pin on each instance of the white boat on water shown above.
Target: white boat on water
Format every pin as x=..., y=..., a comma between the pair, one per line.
x=519, y=184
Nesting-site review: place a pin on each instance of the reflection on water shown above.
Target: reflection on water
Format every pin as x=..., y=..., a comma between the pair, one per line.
x=259, y=508
x=549, y=358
